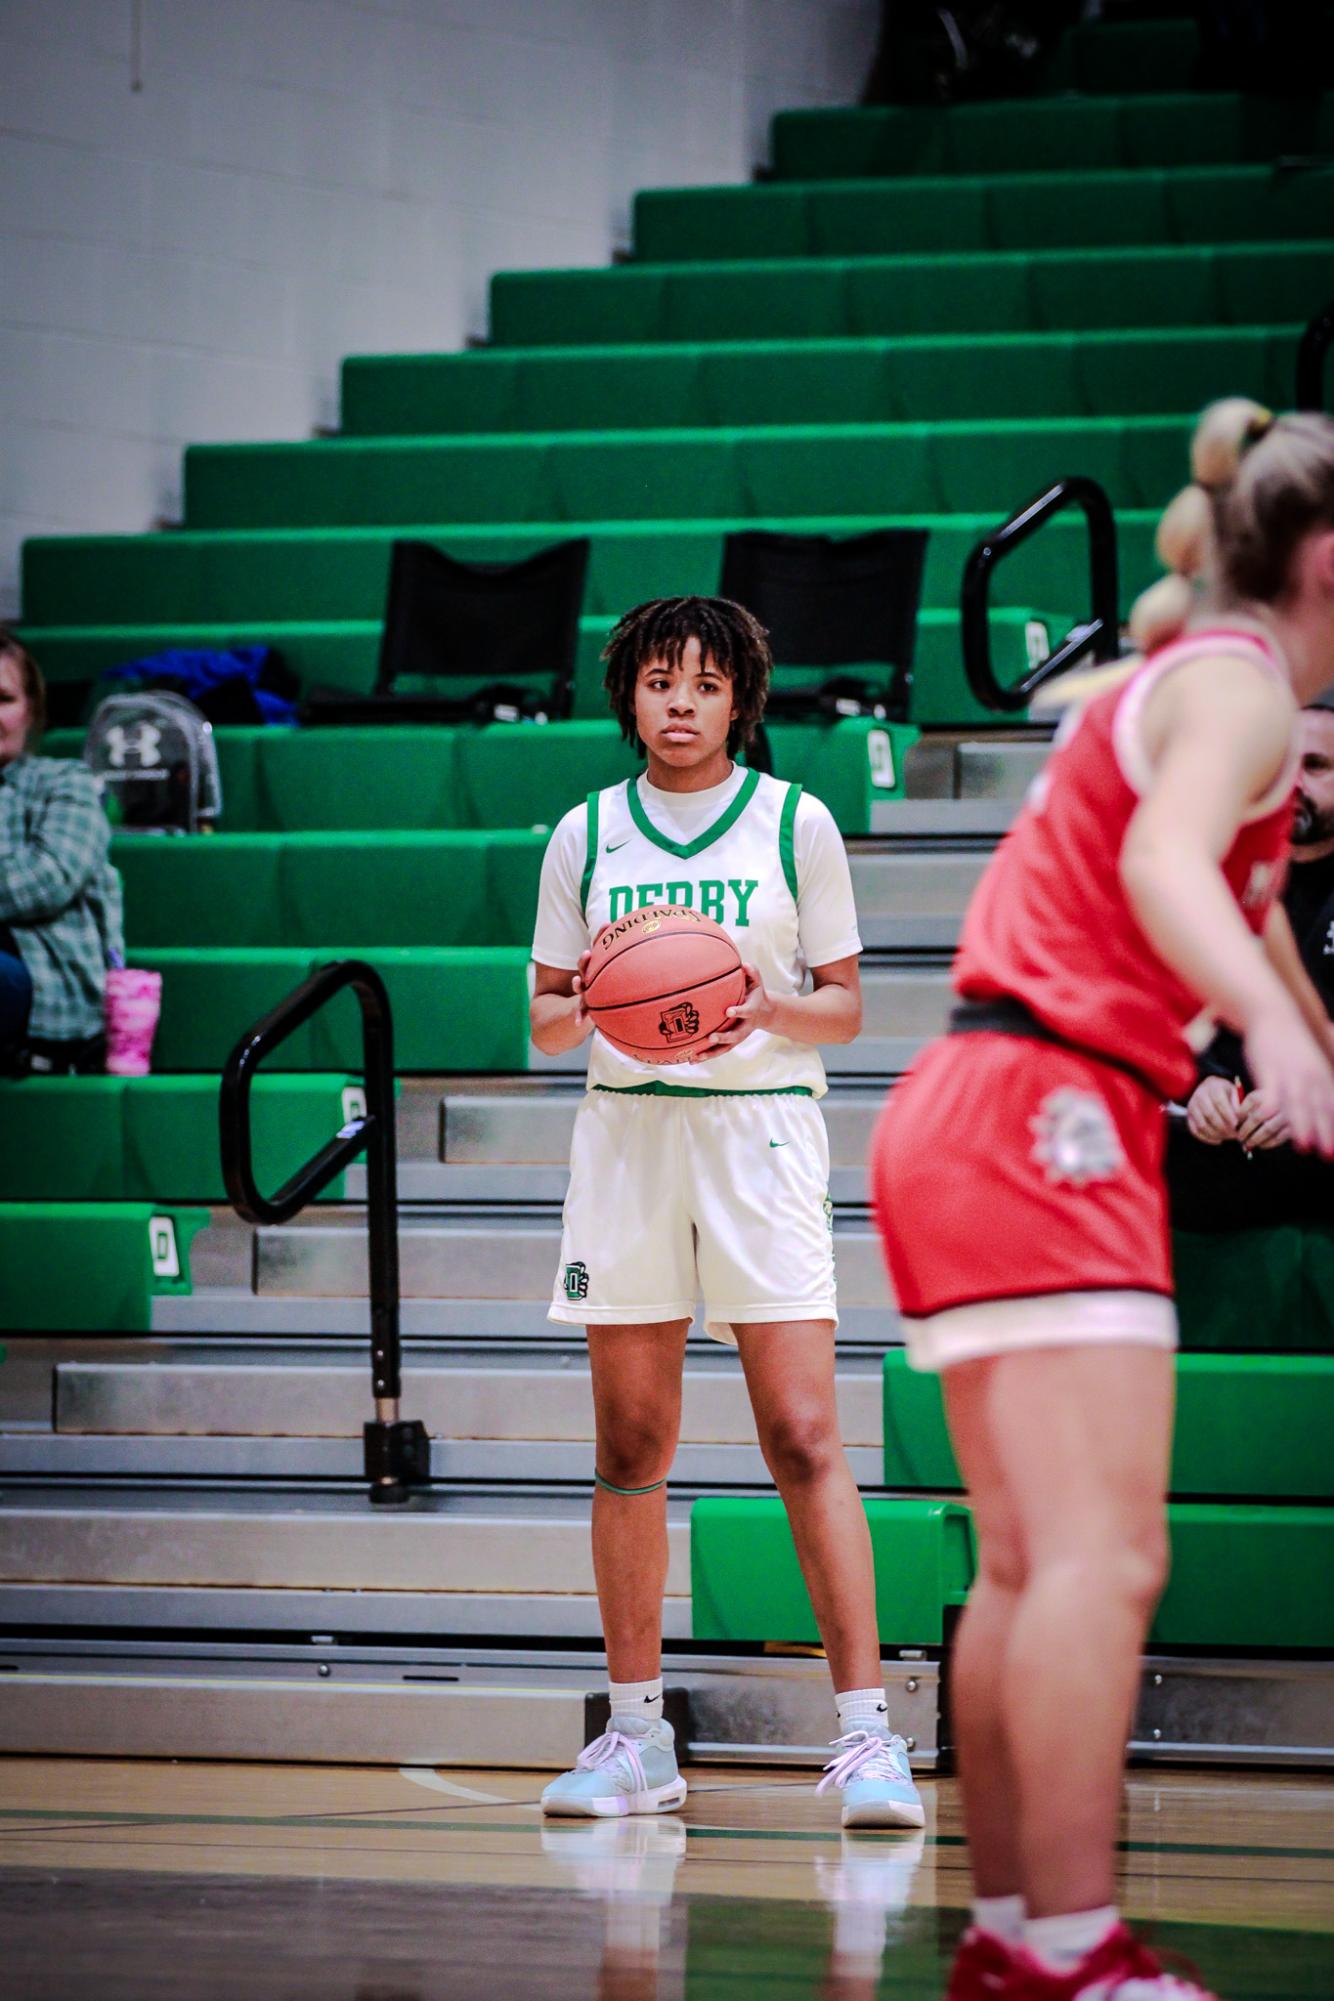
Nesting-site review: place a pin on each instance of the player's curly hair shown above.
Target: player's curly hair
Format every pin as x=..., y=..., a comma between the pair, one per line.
x=728, y=635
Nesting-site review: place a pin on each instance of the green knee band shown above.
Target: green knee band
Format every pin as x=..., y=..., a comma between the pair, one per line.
x=608, y=1488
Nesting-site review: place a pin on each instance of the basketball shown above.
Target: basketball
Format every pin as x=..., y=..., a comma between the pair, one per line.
x=660, y=982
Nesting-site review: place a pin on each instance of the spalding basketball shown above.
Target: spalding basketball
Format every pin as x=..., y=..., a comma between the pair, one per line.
x=660, y=982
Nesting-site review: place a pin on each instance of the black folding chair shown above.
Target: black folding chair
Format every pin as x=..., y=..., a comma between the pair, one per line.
x=841, y=616
x=505, y=635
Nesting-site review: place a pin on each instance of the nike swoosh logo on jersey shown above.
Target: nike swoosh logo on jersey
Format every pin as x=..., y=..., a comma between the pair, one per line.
x=780, y=1142
x=614, y=848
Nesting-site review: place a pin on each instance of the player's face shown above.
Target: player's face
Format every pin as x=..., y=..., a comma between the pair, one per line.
x=1314, y=822
x=15, y=713
x=683, y=713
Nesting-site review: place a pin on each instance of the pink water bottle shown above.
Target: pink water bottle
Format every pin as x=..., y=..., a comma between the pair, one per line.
x=133, y=1004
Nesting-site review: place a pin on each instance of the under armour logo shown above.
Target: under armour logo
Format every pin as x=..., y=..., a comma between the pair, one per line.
x=143, y=745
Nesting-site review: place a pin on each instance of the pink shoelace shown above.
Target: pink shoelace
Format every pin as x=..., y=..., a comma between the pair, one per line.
x=605, y=1749
x=868, y=1756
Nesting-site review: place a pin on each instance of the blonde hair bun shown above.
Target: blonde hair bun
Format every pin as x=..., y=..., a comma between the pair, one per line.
x=1185, y=534
x=1222, y=435
x=1159, y=613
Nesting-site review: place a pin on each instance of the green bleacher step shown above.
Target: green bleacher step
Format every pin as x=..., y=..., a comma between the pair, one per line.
x=1045, y=135
x=883, y=218
x=862, y=468
x=1255, y=1578
x=467, y=889
x=1249, y=1577
x=659, y=386
x=333, y=574
x=455, y=1009
x=746, y=1584
x=434, y=779
x=155, y=1139
x=986, y=293
x=75, y=1267
x=1254, y=1427
x=345, y=654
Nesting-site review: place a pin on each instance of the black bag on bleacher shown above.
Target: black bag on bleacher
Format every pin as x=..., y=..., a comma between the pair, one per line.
x=471, y=642
x=846, y=606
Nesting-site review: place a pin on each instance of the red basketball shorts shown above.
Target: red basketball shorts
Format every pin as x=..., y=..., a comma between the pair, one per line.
x=1019, y=1194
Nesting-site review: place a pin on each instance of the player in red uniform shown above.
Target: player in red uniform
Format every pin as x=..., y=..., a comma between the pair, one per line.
x=1018, y=1185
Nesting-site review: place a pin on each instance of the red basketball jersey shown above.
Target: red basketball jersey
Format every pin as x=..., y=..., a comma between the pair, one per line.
x=1050, y=923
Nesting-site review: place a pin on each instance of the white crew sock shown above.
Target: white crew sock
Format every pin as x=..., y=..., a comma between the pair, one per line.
x=637, y=1698
x=862, y=1709
x=1061, y=1943
x=1003, y=1917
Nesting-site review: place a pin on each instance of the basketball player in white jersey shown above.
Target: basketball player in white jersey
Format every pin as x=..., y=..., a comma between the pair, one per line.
x=709, y=1178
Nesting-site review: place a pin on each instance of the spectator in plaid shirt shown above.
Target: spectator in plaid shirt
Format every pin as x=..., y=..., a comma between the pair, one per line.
x=60, y=904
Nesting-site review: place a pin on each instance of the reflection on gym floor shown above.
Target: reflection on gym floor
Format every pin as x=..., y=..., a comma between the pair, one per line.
x=273, y=1883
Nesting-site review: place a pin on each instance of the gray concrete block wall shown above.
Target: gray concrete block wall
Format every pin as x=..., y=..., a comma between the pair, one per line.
x=297, y=180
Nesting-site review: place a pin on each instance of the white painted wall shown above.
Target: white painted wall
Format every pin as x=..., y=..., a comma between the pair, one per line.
x=296, y=180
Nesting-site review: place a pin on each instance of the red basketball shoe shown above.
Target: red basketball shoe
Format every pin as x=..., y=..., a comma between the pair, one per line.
x=1120, y=1969
x=981, y=1968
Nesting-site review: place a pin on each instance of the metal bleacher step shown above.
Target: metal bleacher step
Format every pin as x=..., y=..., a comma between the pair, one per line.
x=207, y=1408
x=944, y=767
x=239, y=1310
x=914, y=900
x=1000, y=768
x=479, y=1255
x=904, y=1007
x=944, y=823
x=163, y=1557
x=530, y=1125
x=328, y=1699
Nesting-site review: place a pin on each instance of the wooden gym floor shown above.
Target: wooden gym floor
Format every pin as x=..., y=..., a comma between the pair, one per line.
x=214, y=1882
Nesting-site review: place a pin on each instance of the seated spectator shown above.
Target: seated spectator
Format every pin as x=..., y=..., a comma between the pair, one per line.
x=60, y=902
x=1229, y=1164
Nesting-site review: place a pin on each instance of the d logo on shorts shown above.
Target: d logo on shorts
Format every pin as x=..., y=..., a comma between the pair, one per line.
x=575, y=1280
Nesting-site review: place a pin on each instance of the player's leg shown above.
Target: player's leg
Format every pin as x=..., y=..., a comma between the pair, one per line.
x=789, y=1368
x=981, y=1644
x=1081, y=1437
x=627, y=1271
x=637, y=1407
x=632, y=1767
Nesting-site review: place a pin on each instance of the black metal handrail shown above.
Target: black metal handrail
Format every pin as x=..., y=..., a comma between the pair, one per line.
x=397, y=1451
x=1312, y=350
x=1098, y=633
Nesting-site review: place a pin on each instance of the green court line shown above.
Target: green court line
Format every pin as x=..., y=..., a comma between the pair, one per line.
x=77, y=1819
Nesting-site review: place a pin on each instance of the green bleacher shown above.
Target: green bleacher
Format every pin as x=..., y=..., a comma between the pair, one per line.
x=427, y=779
x=920, y=318
x=1250, y=1563
x=155, y=1139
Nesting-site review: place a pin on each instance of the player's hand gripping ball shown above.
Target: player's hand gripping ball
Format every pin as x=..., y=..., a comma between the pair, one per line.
x=660, y=981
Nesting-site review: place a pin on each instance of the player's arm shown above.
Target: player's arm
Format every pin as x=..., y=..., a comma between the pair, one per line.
x=1217, y=735
x=557, y=1017
x=556, y=1013
x=831, y=1012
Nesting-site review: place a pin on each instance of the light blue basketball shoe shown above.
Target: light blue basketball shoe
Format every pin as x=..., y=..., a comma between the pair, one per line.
x=872, y=1774
x=631, y=1768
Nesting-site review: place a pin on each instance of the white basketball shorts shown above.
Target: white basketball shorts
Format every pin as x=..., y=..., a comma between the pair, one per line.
x=673, y=1199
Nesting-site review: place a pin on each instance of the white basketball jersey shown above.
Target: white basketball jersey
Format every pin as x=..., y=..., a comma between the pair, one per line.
x=742, y=872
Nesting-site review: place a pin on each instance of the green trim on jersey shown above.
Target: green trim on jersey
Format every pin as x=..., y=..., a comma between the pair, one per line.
x=656, y=1090
x=686, y=850
x=787, y=848
x=590, y=852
